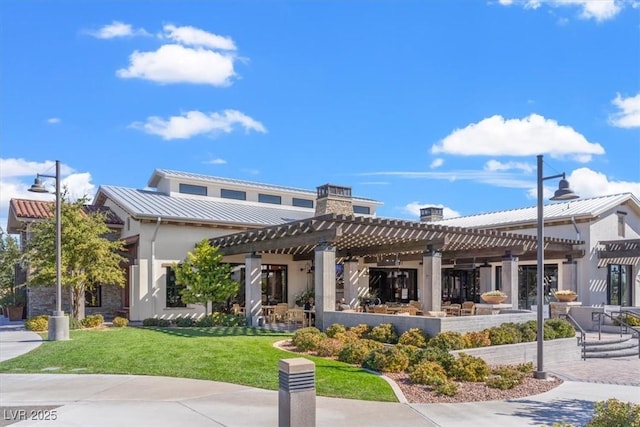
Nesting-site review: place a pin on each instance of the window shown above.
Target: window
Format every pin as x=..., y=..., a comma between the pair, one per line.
x=174, y=296
x=269, y=198
x=363, y=210
x=621, y=216
x=93, y=296
x=273, y=281
x=619, y=285
x=302, y=203
x=198, y=190
x=233, y=194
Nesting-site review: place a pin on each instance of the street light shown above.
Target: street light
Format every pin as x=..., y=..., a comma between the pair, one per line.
x=562, y=193
x=58, y=323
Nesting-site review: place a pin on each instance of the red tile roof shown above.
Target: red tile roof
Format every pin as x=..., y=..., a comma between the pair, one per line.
x=37, y=209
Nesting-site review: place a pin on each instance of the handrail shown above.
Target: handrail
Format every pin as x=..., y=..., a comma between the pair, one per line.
x=621, y=322
x=583, y=333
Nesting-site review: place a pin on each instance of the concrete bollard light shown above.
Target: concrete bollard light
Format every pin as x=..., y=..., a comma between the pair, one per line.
x=297, y=393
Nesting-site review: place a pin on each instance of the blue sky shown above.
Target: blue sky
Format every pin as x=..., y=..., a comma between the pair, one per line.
x=413, y=103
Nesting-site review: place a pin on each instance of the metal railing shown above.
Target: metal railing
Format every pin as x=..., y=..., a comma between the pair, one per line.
x=618, y=319
x=582, y=338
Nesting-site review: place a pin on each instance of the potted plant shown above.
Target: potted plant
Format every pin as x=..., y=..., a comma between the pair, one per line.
x=494, y=297
x=565, y=295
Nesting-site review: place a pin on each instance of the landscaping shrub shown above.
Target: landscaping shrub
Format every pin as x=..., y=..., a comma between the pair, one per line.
x=387, y=359
x=415, y=337
x=449, y=388
x=347, y=336
x=414, y=354
x=74, y=323
x=385, y=333
x=613, y=412
x=37, y=323
x=205, y=322
x=629, y=319
x=150, y=321
x=120, y=322
x=476, y=339
x=355, y=352
x=428, y=373
x=528, y=331
x=549, y=332
x=447, y=341
x=219, y=318
x=335, y=329
x=502, y=334
x=361, y=330
x=563, y=328
x=329, y=347
x=307, y=339
x=92, y=321
x=469, y=368
x=440, y=356
x=505, y=377
x=185, y=322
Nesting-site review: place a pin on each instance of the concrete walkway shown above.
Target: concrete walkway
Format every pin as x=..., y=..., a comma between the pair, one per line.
x=106, y=400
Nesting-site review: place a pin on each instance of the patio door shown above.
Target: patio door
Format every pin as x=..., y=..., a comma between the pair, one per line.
x=619, y=285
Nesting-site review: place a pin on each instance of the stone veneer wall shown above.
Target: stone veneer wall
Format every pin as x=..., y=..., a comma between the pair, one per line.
x=42, y=300
x=328, y=205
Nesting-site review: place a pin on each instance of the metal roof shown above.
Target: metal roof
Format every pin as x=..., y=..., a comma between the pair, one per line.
x=170, y=174
x=579, y=208
x=153, y=204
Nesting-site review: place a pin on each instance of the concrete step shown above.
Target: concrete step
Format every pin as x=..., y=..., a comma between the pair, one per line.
x=610, y=355
x=612, y=347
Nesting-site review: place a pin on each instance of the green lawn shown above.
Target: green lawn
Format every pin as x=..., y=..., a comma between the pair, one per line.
x=238, y=355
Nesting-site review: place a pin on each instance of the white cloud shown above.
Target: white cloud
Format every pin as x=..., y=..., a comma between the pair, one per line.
x=117, y=29
x=599, y=10
x=217, y=161
x=629, y=116
x=589, y=183
x=192, y=36
x=436, y=163
x=174, y=63
x=194, y=123
x=53, y=120
x=413, y=209
x=532, y=135
x=495, y=165
x=17, y=175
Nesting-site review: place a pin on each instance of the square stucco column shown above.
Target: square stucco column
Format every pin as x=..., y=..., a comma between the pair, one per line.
x=351, y=282
x=253, y=288
x=510, y=279
x=325, y=282
x=431, y=289
x=569, y=276
x=485, y=278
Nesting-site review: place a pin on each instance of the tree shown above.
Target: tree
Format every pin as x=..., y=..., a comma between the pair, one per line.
x=89, y=257
x=205, y=277
x=9, y=257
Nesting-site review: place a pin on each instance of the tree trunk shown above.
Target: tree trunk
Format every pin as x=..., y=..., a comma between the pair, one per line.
x=78, y=302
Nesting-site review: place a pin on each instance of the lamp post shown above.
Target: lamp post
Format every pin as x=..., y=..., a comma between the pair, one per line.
x=562, y=193
x=58, y=323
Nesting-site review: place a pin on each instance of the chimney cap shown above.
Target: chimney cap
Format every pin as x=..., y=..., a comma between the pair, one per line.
x=332, y=190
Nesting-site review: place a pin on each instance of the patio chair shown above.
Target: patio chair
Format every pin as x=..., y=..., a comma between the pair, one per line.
x=468, y=308
x=412, y=311
x=380, y=309
x=295, y=316
x=237, y=310
x=279, y=313
x=452, y=309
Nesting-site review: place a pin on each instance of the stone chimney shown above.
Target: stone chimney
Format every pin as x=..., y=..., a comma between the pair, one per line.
x=430, y=214
x=334, y=199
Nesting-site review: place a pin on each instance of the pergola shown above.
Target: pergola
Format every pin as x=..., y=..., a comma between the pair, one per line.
x=380, y=238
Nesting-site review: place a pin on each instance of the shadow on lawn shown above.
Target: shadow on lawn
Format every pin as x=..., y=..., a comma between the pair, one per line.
x=219, y=331
x=573, y=411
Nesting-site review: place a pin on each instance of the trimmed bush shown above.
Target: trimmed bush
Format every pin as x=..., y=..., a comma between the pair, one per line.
x=629, y=319
x=361, y=330
x=504, y=334
x=219, y=318
x=447, y=389
x=329, y=347
x=307, y=339
x=74, y=323
x=549, y=332
x=347, y=337
x=414, y=354
x=388, y=359
x=469, y=368
x=505, y=377
x=563, y=328
x=447, y=341
x=385, y=333
x=355, y=352
x=477, y=339
x=92, y=321
x=335, y=329
x=415, y=337
x=440, y=356
x=613, y=412
x=528, y=331
x=205, y=322
x=120, y=322
x=428, y=373
x=37, y=323
x=185, y=322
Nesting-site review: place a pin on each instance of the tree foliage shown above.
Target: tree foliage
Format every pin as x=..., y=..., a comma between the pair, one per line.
x=205, y=277
x=89, y=257
x=9, y=257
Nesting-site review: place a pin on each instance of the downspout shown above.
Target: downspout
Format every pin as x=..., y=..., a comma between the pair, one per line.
x=575, y=226
x=152, y=275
